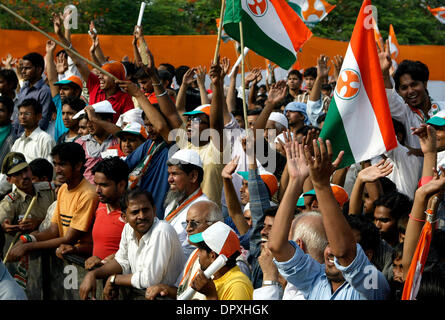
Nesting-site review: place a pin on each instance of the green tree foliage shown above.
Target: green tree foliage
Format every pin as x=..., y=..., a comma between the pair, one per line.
x=412, y=21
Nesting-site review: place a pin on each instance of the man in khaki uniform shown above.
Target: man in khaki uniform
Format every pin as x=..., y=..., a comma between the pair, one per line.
x=15, y=204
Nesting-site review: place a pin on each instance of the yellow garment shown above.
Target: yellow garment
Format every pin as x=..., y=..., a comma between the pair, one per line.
x=234, y=285
x=75, y=209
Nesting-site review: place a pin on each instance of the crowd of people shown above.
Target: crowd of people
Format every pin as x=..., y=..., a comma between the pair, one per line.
x=151, y=173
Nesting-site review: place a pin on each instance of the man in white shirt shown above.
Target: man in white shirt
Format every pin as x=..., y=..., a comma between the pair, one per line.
x=185, y=174
x=34, y=142
x=149, y=252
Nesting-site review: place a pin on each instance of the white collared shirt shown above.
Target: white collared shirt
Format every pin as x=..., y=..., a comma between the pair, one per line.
x=157, y=258
x=37, y=145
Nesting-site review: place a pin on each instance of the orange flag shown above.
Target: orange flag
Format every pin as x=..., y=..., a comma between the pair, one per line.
x=439, y=13
x=377, y=36
x=414, y=276
x=393, y=47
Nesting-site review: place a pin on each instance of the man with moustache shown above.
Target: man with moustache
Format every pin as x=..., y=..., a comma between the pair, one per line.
x=149, y=252
x=185, y=175
x=201, y=215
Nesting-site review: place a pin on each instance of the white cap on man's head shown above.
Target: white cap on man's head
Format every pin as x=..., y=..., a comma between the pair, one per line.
x=100, y=107
x=280, y=118
x=187, y=156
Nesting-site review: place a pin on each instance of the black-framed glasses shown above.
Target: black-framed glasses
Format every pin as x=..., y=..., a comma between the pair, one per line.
x=194, y=224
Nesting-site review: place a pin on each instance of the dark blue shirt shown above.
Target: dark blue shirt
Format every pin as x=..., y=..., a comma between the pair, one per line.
x=155, y=179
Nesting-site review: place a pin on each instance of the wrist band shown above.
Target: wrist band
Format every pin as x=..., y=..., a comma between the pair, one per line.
x=270, y=283
x=26, y=238
x=162, y=94
x=412, y=218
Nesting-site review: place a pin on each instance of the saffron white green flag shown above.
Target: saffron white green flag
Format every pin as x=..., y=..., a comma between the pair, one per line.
x=270, y=28
x=358, y=120
x=311, y=11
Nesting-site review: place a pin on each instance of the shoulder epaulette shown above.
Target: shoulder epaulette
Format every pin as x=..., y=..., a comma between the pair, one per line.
x=11, y=197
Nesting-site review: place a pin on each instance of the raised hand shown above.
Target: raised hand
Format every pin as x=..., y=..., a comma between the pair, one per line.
x=57, y=22
x=384, y=56
x=61, y=63
x=252, y=76
x=427, y=138
x=322, y=68
x=201, y=73
x=50, y=46
x=436, y=185
x=189, y=76
x=277, y=93
x=129, y=87
x=297, y=165
x=225, y=65
x=215, y=73
x=9, y=62
x=337, y=61
x=321, y=167
x=230, y=168
x=373, y=173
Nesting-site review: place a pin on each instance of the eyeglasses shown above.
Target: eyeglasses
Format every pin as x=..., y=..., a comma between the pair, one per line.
x=197, y=120
x=194, y=224
x=26, y=114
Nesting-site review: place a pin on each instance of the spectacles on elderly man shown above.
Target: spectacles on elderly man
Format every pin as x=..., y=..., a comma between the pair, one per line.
x=194, y=224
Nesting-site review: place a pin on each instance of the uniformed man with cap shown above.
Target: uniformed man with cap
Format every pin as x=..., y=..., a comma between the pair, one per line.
x=15, y=204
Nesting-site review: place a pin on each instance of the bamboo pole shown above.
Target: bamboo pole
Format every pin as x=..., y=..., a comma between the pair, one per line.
x=221, y=22
x=33, y=201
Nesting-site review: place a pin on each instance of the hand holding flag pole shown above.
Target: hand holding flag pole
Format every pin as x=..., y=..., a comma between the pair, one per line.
x=33, y=201
x=58, y=42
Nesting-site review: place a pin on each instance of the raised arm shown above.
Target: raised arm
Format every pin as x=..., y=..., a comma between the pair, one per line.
x=233, y=205
x=98, y=53
x=201, y=73
x=137, y=35
x=367, y=175
x=298, y=171
x=225, y=66
x=338, y=231
x=385, y=63
x=276, y=95
x=80, y=64
x=108, y=126
x=216, y=109
x=187, y=79
x=231, y=93
x=50, y=67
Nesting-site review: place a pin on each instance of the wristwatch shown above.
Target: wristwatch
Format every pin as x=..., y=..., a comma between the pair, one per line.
x=113, y=279
x=270, y=283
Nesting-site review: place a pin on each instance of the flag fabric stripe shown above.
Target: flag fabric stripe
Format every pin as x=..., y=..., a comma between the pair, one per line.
x=266, y=47
x=439, y=13
x=334, y=125
x=271, y=29
x=293, y=25
x=372, y=80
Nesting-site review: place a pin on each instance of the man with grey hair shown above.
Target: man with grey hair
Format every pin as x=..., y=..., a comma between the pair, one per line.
x=200, y=216
x=308, y=232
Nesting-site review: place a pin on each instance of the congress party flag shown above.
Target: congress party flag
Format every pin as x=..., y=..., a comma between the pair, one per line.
x=439, y=13
x=393, y=47
x=358, y=120
x=270, y=28
x=311, y=11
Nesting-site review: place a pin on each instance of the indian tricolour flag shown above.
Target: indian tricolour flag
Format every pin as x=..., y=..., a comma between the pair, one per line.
x=358, y=120
x=270, y=28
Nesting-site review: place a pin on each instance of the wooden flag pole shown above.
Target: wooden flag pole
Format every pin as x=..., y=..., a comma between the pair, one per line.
x=221, y=22
x=243, y=82
x=58, y=42
x=18, y=233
